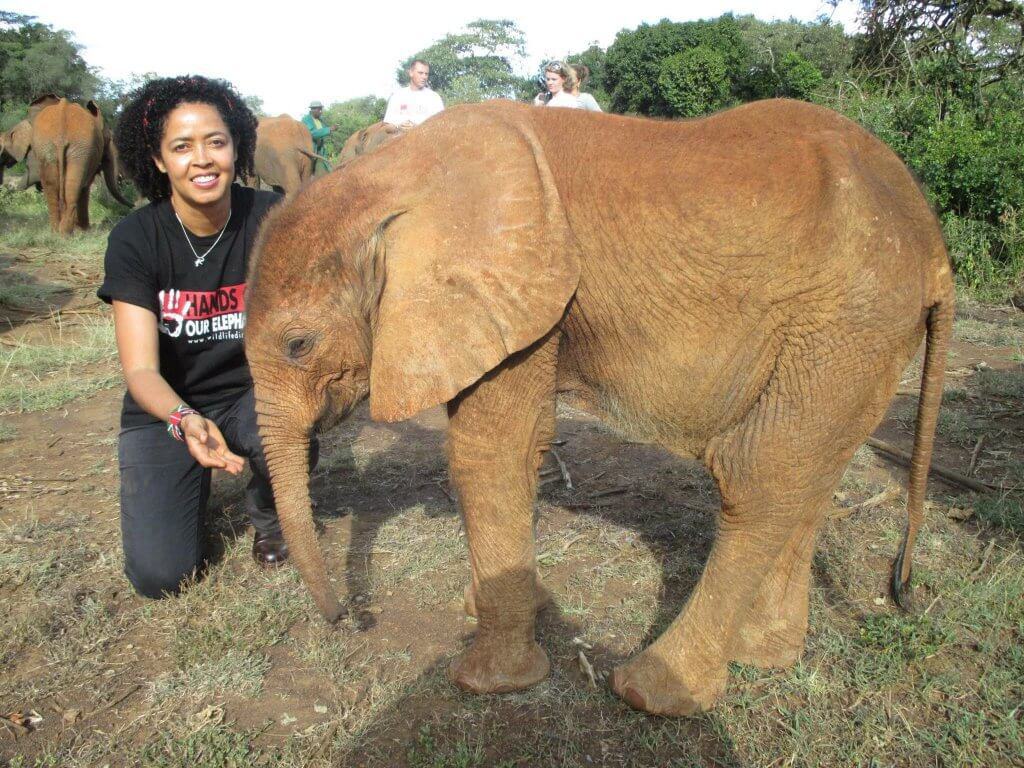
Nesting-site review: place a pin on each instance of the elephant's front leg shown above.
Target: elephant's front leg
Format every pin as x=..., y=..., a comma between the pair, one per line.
x=497, y=432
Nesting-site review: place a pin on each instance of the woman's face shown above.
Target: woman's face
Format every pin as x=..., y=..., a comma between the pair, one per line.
x=555, y=82
x=198, y=155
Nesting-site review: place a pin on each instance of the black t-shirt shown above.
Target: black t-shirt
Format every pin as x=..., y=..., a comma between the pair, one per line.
x=200, y=308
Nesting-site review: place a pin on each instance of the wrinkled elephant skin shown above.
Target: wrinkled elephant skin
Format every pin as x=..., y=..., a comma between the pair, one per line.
x=745, y=288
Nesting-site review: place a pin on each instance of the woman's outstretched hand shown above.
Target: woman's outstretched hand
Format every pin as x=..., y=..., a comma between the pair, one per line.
x=207, y=445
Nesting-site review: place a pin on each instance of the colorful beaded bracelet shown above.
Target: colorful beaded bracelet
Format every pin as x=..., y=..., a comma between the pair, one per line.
x=174, y=421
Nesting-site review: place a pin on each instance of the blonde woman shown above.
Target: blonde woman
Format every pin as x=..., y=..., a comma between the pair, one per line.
x=560, y=80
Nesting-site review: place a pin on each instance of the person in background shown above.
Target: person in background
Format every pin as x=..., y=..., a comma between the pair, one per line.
x=411, y=105
x=175, y=274
x=586, y=101
x=320, y=132
x=559, y=80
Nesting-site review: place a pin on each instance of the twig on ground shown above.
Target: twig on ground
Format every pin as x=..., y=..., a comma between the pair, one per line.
x=587, y=668
x=611, y=492
x=113, y=703
x=877, y=500
x=974, y=455
x=984, y=559
x=445, y=491
x=946, y=474
x=564, y=469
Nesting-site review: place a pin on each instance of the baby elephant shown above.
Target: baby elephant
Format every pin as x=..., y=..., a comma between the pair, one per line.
x=746, y=289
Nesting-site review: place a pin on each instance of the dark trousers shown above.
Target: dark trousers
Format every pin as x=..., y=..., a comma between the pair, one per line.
x=164, y=493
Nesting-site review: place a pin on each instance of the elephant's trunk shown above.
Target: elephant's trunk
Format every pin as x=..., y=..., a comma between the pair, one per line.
x=109, y=166
x=287, y=452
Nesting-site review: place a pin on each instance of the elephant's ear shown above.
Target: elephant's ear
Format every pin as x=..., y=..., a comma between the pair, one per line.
x=480, y=264
x=41, y=103
x=94, y=110
x=18, y=140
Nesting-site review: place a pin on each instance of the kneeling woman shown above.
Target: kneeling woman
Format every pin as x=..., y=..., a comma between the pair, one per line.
x=175, y=275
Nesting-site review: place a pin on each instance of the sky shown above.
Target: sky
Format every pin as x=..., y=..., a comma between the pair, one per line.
x=341, y=50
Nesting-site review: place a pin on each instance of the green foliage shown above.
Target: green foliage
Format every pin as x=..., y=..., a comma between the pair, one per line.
x=475, y=64
x=694, y=82
x=906, y=638
x=347, y=117
x=36, y=59
x=793, y=77
x=215, y=746
x=635, y=63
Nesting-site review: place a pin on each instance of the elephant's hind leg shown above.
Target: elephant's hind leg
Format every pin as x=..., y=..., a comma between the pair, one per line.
x=83, y=208
x=773, y=632
x=776, y=471
x=498, y=431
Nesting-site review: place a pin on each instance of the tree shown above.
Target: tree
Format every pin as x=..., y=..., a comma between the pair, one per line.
x=347, y=117
x=475, y=64
x=792, y=58
x=694, y=82
x=633, y=64
x=964, y=45
x=37, y=59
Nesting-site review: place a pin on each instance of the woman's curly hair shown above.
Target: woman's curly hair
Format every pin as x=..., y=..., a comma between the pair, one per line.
x=140, y=128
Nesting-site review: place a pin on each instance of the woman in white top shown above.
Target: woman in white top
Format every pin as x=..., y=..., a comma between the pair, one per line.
x=560, y=80
x=586, y=101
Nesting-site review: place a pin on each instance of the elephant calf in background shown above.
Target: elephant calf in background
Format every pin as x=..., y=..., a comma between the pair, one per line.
x=15, y=147
x=71, y=146
x=745, y=288
x=284, y=154
x=367, y=140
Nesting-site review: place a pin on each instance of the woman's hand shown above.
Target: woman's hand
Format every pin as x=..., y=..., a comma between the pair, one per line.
x=207, y=444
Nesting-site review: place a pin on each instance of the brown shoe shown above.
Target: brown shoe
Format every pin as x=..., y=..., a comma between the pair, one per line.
x=269, y=549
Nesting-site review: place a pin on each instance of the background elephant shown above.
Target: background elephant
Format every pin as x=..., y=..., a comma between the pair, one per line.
x=284, y=154
x=15, y=147
x=71, y=145
x=367, y=140
x=745, y=288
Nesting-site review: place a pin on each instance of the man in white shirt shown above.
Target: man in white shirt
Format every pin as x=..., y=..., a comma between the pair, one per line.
x=413, y=104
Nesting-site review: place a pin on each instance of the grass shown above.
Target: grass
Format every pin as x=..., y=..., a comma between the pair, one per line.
x=24, y=225
x=70, y=364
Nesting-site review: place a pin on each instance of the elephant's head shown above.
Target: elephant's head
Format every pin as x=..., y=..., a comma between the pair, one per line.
x=15, y=146
x=405, y=276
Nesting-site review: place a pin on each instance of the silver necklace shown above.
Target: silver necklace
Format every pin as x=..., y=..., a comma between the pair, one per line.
x=200, y=260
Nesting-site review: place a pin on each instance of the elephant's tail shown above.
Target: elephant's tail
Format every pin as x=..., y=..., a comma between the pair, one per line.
x=62, y=173
x=940, y=328
x=313, y=156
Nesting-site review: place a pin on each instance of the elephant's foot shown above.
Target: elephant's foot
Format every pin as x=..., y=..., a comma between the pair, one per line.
x=648, y=683
x=499, y=669
x=769, y=644
x=542, y=599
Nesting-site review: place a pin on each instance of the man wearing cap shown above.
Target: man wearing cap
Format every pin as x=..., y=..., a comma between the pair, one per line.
x=413, y=104
x=319, y=131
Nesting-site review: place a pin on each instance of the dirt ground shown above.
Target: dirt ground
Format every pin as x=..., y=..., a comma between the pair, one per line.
x=239, y=670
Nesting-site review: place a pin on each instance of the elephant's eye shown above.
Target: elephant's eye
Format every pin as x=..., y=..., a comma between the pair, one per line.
x=299, y=346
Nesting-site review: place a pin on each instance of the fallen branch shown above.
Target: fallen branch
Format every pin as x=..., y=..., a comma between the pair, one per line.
x=564, y=469
x=974, y=455
x=587, y=668
x=984, y=559
x=946, y=474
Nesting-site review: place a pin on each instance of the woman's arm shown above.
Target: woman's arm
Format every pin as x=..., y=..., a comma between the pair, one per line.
x=139, y=350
